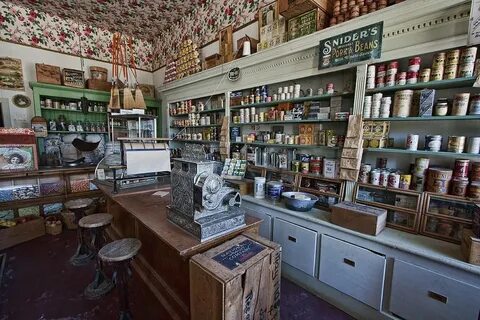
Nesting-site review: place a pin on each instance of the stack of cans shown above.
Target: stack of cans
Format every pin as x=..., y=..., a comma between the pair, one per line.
x=419, y=172
x=391, y=74
x=467, y=62
x=413, y=69
x=386, y=102
x=451, y=65
x=371, y=77
x=438, y=66
x=376, y=104
x=367, y=107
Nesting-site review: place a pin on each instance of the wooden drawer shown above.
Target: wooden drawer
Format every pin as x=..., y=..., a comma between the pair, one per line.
x=299, y=245
x=418, y=293
x=352, y=270
x=266, y=225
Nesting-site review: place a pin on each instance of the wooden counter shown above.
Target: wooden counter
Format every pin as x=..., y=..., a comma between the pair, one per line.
x=163, y=261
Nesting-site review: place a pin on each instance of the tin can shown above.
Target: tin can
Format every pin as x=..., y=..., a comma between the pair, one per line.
x=401, y=78
x=441, y=107
x=366, y=167
x=460, y=104
x=475, y=172
x=330, y=88
x=381, y=70
x=438, y=180
x=453, y=57
x=418, y=182
x=421, y=164
x=459, y=187
x=456, y=144
x=392, y=67
x=425, y=75
x=468, y=55
x=433, y=142
x=414, y=61
x=371, y=71
x=384, y=178
x=412, y=142
x=473, y=145
x=296, y=166
x=402, y=103
x=439, y=60
x=390, y=80
x=461, y=168
x=405, y=180
x=363, y=177
x=474, y=105
x=393, y=180
x=450, y=72
x=380, y=82
x=466, y=70
x=274, y=190
x=375, y=177
x=305, y=167
x=474, y=190
x=437, y=74
x=316, y=165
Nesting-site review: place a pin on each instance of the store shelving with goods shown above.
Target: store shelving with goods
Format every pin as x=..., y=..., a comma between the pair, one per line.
x=329, y=191
x=404, y=207
x=446, y=216
x=131, y=126
x=307, y=115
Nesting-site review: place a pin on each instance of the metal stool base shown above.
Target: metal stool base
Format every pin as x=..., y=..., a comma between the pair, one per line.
x=125, y=315
x=98, y=287
x=82, y=259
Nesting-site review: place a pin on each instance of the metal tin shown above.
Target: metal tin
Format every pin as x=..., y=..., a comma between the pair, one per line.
x=433, y=142
x=384, y=178
x=425, y=75
x=405, y=181
x=453, y=57
x=450, y=72
x=393, y=180
x=459, y=187
x=437, y=73
x=305, y=167
x=382, y=163
x=418, y=182
x=316, y=165
x=438, y=180
x=474, y=105
x=421, y=164
x=473, y=145
x=274, y=190
x=466, y=70
x=402, y=103
x=296, y=166
x=460, y=104
x=456, y=144
x=468, y=55
x=412, y=142
x=441, y=108
x=375, y=177
x=475, y=172
x=330, y=88
x=439, y=60
x=474, y=190
x=461, y=168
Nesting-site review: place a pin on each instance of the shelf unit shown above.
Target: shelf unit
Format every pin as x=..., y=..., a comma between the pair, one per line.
x=438, y=84
x=322, y=97
x=404, y=207
x=289, y=146
x=132, y=126
x=425, y=153
x=285, y=122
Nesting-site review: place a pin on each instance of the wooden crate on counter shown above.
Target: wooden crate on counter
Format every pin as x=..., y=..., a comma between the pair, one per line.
x=446, y=216
x=403, y=207
x=240, y=279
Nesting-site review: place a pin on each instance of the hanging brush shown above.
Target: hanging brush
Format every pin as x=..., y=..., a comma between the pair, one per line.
x=139, y=100
x=128, y=102
x=114, y=92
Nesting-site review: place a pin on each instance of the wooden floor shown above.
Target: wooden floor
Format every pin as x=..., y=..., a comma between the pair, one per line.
x=40, y=284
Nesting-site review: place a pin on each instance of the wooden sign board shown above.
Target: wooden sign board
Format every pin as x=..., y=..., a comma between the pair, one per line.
x=73, y=78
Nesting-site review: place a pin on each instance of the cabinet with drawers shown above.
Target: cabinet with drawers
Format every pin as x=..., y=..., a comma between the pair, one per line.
x=299, y=245
x=266, y=225
x=353, y=270
x=418, y=293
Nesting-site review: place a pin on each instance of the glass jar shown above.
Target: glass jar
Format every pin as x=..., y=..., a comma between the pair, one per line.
x=441, y=107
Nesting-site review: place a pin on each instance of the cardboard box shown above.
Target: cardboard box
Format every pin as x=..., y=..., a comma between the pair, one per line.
x=101, y=85
x=353, y=164
x=293, y=8
x=470, y=247
x=349, y=174
x=48, y=74
x=306, y=129
x=240, y=279
x=330, y=168
x=22, y=232
x=359, y=217
x=352, y=153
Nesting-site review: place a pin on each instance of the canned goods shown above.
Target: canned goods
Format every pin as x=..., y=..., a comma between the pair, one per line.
x=438, y=60
x=441, y=107
x=456, y=144
x=405, y=180
x=274, y=190
x=402, y=103
x=375, y=177
x=393, y=180
x=382, y=163
x=330, y=88
x=305, y=167
x=425, y=75
x=433, y=142
x=459, y=187
x=381, y=70
x=438, y=180
x=315, y=165
x=460, y=104
x=384, y=178
x=412, y=77
x=468, y=55
x=363, y=177
x=418, y=182
x=412, y=142
x=474, y=105
x=453, y=57
x=475, y=172
x=296, y=166
x=437, y=74
x=474, y=190
x=466, y=70
x=401, y=78
x=461, y=168
x=473, y=145
x=450, y=72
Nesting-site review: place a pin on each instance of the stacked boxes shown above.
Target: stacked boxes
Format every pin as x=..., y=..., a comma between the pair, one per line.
x=306, y=23
x=307, y=134
x=352, y=150
x=375, y=134
x=272, y=35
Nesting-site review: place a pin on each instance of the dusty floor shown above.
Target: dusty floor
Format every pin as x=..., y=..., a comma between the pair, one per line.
x=40, y=284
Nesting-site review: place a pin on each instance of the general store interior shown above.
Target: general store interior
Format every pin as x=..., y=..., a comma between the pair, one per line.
x=255, y=159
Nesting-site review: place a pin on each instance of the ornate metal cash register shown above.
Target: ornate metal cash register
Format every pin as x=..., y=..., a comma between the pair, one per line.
x=200, y=202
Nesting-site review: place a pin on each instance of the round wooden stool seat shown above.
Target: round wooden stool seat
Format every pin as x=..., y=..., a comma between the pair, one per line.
x=78, y=204
x=120, y=250
x=95, y=220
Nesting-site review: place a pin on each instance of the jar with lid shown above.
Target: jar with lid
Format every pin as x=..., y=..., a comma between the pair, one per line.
x=441, y=107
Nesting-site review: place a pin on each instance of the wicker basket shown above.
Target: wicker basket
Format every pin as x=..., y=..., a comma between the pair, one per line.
x=53, y=226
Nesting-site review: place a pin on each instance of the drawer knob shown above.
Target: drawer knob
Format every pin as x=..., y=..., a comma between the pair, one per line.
x=292, y=239
x=349, y=262
x=437, y=297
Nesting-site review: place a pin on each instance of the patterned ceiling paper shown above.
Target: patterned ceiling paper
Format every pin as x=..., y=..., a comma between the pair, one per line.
x=38, y=29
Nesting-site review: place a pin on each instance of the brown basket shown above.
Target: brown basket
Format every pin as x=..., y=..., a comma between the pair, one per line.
x=55, y=228
x=69, y=220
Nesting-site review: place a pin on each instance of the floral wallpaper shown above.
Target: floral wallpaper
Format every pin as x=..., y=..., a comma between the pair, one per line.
x=203, y=24
x=39, y=29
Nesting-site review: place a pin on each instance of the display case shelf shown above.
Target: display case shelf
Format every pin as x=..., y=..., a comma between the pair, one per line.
x=199, y=112
x=425, y=152
x=287, y=122
x=296, y=146
x=201, y=126
x=296, y=100
x=432, y=118
x=439, y=84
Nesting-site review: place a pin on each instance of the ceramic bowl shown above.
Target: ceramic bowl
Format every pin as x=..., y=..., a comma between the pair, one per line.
x=299, y=201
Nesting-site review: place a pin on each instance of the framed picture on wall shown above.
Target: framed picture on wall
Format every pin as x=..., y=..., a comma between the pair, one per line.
x=18, y=157
x=11, y=74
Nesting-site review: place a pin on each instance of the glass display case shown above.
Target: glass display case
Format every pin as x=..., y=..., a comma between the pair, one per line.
x=131, y=126
x=403, y=206
x=447, y=216
x=289, y=179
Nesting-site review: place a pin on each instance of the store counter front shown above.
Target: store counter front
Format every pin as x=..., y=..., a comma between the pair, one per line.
x=163, y=261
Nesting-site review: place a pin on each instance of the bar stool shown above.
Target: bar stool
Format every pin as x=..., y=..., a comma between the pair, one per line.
x=119, y=253
x=83, y=254
x=96, y=224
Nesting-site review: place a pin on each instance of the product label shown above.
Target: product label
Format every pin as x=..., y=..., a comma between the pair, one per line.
x=353, y=46
x=238, y=254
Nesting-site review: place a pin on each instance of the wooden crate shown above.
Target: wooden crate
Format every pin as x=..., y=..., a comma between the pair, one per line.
x=22, y=232
x=101, y=85
x=225, y=43
x=359, y=217
x=239, y=279
x=48, y=74
x=73, y=78
x=213, y=61
x=293, y=8
x=148, y=90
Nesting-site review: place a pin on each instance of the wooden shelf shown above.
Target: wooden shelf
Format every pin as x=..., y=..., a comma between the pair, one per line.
x=201, y=126
x=286, y=122
x=76, y=111
x=424, y=152
x=439, y=84
x=296, y=146
x=199, y=112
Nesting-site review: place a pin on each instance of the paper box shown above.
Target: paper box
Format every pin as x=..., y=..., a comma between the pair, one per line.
x=359, y=217
x=470, y=247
